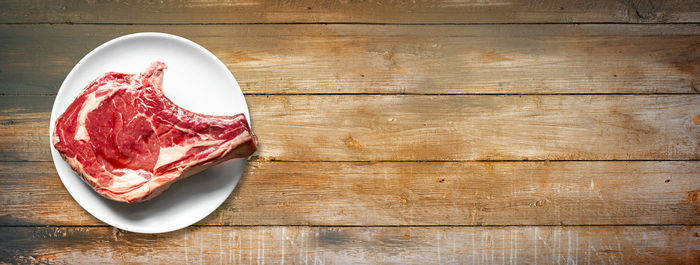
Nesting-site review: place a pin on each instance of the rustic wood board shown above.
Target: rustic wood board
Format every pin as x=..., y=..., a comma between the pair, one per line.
x=394, y=59
x=344, y=245
x=435, y=128
x=380, y=11
x=393, y=132
x=408, y=193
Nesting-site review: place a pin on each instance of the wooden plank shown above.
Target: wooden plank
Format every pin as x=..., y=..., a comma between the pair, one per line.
x=381, y=11
x=415, y=193
x=24, y=128
x=442, y=128
x=413, y=59
x=387, y=128
x=354, y=245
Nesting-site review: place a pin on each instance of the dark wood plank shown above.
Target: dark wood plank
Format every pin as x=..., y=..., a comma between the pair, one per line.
x=353, y=245
x=24, y=128
x=415, y=193
x=414, y=59
x=381, y=11
x=444, y=128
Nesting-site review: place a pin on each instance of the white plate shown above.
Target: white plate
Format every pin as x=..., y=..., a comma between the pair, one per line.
x=196, y=80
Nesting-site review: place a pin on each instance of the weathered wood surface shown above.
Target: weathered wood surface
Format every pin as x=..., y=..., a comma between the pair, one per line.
x=454, y=127
x=436, y=128
x=413, y=59
x=415, y=193
x=380, y=11
x=345, y=245
x=421, y=167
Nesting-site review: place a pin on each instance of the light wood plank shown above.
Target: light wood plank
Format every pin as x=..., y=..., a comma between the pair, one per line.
x=415, y=193
x=24, y=128
x=414, y=59
x=443, y=128
x=381, y=11
x=353, y=245
x=384, y=128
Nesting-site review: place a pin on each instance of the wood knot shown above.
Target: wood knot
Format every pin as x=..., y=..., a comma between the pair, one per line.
x=46, y=257
x=352, y=143
x=693, y=196
x=388, y=55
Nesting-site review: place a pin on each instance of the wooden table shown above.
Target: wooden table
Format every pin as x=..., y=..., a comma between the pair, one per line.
x=427, y=132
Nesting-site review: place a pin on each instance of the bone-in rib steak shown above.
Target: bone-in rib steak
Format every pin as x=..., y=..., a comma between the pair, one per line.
x=130, y=143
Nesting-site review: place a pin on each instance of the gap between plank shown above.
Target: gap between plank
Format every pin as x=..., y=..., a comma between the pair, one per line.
x=457, y=161
x=419, y=161
x=469, y=94
x=408, y=226
x=348, y=23
x=427, y=94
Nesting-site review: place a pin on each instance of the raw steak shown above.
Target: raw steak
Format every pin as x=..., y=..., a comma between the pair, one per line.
x=130, y=143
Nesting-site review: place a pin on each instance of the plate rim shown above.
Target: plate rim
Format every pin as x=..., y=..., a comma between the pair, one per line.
x=87, y=57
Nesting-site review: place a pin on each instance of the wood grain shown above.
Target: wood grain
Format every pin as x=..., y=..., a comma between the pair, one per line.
x=381, y=128
x=415, y=193
x=381, y=11
x=393, y=132
x=353, y=245
x=395, y=59
x=24, y=128
x=434, y=128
